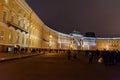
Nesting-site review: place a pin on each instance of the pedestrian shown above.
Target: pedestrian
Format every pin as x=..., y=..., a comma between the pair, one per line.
x=74, y=56
x=69, y=54
x=90, y=57
x=22, y=50
x=15, y=49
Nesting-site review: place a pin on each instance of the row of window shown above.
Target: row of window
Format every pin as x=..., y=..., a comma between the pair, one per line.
x=21, y=22
x=10, y=37
x=1, y=35
x=25, y=24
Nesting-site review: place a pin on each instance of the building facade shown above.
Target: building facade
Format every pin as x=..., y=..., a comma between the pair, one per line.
x=21, y=27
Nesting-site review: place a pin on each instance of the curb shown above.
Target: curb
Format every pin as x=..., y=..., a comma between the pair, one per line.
x=18, y=57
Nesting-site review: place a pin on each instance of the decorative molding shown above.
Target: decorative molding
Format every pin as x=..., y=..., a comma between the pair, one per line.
x=24, y=6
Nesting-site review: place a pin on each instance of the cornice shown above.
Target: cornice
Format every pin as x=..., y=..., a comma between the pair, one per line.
x=24, y=6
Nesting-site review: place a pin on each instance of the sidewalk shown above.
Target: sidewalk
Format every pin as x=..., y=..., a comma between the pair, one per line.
x=12, y=56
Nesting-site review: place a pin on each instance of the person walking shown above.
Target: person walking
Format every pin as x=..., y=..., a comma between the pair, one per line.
x=90, y=57
x=69, y=54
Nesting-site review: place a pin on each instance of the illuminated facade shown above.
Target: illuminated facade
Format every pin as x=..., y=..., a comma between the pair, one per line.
x=90, y=43
x=20, y=26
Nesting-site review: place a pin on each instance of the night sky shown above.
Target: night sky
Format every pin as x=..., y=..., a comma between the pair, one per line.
x=99, y=16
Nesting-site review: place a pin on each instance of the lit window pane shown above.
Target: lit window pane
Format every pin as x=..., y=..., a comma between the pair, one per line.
x=6, y=1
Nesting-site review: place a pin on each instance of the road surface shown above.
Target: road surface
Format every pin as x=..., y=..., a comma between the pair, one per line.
x=56, y=67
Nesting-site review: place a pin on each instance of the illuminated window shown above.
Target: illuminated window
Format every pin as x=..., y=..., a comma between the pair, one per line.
x=6, y=1
x=13, y=6
x=23, y=38
x=17, y=39
x=26, y=28
x=1, y=35
x=10, y=37
x=4, y=16
x=24, y=23
x=18, y=22
x=27, y=40
x=12, y=19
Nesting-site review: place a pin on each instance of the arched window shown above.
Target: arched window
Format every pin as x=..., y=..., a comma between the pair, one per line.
x=1, y=35
x=23, y=37
x=17, y=36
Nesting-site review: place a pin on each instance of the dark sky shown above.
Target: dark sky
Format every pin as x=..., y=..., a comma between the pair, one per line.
x=99, y=16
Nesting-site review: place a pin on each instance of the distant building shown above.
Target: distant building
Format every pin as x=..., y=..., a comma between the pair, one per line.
x=90, y=34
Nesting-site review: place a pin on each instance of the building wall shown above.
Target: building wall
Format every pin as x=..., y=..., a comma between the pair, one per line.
x=19, y=25
x=108, y=44
x=14, y=24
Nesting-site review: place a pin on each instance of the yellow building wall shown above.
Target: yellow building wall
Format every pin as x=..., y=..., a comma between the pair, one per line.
x=1, y=9
x=36, y=34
